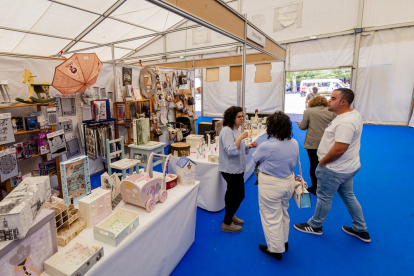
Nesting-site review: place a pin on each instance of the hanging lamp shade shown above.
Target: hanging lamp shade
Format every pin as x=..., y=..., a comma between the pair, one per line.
x=77, y=73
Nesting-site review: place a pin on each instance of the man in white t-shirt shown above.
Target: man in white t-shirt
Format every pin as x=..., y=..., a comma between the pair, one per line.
x=338, y=154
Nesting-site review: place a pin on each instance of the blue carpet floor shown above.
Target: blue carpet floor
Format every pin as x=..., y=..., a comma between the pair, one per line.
x=382, y=186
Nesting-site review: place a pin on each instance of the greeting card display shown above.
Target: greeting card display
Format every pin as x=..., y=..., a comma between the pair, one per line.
x=18, y=210
x=57, y=143
x=6, y=129
x=42, y=142
x=52, y=116
x=17, y=123
x=72, y=145
x=65, y=124
x=76, y=181
x=75, y=260
x=26, y=256
x=8, y=162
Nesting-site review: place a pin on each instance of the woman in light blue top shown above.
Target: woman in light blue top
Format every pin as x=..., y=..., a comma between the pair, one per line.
x=232, y=164
x=277, y=158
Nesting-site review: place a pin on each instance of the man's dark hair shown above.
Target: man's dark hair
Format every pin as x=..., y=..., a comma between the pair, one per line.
x=230, y=115
x=347, y=95
x=279, y=126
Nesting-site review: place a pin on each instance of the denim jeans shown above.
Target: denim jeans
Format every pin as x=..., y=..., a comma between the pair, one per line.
x=328, y=183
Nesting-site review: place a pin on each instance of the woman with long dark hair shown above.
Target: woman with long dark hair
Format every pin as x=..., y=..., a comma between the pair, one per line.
x=277, y=158
x=232, y=164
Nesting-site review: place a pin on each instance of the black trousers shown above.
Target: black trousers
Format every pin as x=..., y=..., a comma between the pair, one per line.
x=313, y=160
x=234, y=194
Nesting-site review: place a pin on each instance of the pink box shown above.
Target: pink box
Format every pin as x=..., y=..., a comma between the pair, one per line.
x=95, y=207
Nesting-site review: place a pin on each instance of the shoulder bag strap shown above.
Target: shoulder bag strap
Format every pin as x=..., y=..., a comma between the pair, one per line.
x=300, y=169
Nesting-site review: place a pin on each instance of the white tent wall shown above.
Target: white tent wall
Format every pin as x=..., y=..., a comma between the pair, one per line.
x=386, y=12
x=284, y=20
x=385, y=76
x=332, y=52
x=266, y=96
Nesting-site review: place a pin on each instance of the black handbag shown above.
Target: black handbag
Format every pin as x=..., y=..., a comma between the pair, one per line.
x=182, y=79
x=191, y=101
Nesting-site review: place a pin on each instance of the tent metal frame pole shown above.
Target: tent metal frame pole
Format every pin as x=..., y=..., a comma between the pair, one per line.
x=202, y=91
x=130, y=39
x=178, y=52
x=357, y=46
x=114, y=72
x=243, y=83
x=172, y=8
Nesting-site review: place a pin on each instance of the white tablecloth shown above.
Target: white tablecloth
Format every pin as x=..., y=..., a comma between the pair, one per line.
x=212, y=185
x=158, y=244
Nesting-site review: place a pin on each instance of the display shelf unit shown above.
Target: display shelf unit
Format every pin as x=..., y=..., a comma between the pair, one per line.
x=140, y=104
x=7, y=184
x=178, y=113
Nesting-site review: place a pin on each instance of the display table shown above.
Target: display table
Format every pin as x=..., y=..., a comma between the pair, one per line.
x=160, y=241
x=145, y=150
x=213, y=186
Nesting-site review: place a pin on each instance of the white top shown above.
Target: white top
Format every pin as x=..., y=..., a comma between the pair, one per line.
x=345, y=128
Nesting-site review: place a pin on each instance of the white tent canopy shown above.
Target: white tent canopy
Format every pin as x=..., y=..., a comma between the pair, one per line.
x=318, y=34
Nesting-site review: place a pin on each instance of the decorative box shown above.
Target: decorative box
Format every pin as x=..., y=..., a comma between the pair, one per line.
x=213, y=158
x=194, y=140
x=186, y=171
x=180, y=149
x=76, y=182
x=95, y=207
x=18, y=210
x=114, y=229
x=30, y=122
x=26, y=256
x=75, y=260
x=170, y=180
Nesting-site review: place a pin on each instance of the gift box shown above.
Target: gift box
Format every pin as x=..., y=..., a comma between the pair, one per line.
x=213, y=158
x=18, y=210
x=194, y=140
x=95, y=207
x=117, y=227
x=26, y=256
x=76, y=259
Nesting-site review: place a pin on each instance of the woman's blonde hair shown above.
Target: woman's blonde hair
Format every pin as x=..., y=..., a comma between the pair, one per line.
x=317, y=101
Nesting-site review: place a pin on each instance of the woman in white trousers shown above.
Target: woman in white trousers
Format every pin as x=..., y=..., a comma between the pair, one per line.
x=277, y=159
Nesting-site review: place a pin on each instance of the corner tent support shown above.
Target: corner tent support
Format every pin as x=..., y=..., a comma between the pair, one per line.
x=114, y=72
x=243, y=83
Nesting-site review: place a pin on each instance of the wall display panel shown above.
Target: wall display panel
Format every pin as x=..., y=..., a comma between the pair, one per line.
x=212, y=74
x=263, y=73
x=385, y=76
x=236, y=73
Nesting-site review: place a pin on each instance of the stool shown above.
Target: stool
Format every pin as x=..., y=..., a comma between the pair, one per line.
x=145, y=150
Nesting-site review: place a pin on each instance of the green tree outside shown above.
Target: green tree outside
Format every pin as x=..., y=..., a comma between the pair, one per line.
x=320, y=74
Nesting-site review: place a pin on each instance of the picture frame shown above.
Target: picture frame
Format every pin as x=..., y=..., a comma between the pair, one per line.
x=75, y=176
x=126, y=76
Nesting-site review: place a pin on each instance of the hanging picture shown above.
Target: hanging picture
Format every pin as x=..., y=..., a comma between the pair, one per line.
x=72, y=145
x=65, y=124
x=75, y=179
x=57, y=104
x=6, y=129
x=102, y=93
x=121, y=112
x=57, y=143
x=86, y=113
x=52, y=116
x=90, y=143
x=8, y=161
x=68, y=105
x=126, y=76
